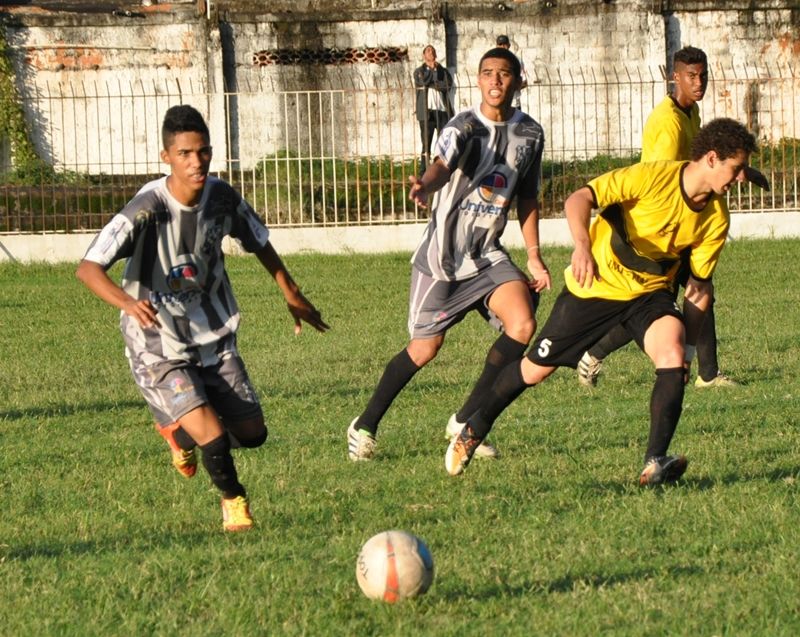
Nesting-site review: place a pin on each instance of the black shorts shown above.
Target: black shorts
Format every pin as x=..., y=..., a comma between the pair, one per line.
x=575, y=324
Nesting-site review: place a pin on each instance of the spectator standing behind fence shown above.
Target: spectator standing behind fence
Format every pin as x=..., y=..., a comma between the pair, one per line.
x=434, y=108
x=503, y=42
x=178, y=315
x=668, y=134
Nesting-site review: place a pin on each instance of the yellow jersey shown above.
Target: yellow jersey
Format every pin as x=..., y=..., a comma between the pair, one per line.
x=645, y=224
x=669, y=131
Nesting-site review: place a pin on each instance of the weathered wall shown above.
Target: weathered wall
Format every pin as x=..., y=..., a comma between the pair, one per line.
x=171, y=50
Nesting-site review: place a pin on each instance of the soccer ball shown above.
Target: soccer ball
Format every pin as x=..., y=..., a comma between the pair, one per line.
x=394, y=565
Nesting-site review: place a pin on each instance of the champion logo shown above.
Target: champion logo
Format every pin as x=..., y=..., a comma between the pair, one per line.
x=492, y=185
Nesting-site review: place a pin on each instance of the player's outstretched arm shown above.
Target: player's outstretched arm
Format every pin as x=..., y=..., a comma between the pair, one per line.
x=578, y=210
x=436, y=176
x=299, y=306
x=94, y=277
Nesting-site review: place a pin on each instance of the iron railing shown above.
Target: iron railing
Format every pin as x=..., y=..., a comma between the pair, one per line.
x=342, y=156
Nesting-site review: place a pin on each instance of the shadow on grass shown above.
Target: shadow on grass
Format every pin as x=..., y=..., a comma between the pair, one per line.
x=775, y=475
x=54, y=411
x=56, y=549
x=569, y=583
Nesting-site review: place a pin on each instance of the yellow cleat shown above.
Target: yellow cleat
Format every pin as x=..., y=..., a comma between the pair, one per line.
x=236, y=514
x=720, y=380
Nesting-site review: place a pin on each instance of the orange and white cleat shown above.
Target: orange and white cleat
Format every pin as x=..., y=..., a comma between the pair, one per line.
x=184, y=461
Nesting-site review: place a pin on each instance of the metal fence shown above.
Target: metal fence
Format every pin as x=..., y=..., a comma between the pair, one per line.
x=343, y=155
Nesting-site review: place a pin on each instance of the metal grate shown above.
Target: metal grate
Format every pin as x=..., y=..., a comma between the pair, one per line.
x=342, y=156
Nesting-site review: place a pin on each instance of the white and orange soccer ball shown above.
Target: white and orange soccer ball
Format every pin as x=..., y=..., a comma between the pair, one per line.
x=394, y=565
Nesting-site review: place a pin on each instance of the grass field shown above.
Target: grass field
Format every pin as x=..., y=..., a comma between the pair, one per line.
x=100, y=536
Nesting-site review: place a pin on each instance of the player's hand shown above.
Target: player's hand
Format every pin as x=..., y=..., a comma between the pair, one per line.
x=302, y=310
x=584, y=267
x=143, y=311
x=539, y=272
x=418, y=193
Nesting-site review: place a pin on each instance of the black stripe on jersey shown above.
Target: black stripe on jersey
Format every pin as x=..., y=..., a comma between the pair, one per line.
x=502, y=145
x=628, y=257
x=472, y=153
x=187, y=234
x=149, y=245
x=183, y=329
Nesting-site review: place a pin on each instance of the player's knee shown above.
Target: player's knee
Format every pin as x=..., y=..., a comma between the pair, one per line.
x=258, y=439
x=424, y=352
x=249, y=433
x=669, y=355
x=521, y=331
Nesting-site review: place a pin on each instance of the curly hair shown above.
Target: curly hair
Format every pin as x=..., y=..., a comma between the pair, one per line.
x=725, y=136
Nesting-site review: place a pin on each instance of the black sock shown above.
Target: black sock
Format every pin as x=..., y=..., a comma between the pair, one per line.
x=707, y=363
x=617, y=337
x=504, y=350
x=398, y=372
x=218, y=462
x=666, y=403
x=184, y=440
x=506, y=388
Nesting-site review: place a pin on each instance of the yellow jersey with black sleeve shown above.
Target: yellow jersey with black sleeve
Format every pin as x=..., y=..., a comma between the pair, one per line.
x=646, y=222
x=669, y=131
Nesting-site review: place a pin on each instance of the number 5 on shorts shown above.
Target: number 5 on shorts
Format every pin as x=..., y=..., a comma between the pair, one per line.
x=544, y=348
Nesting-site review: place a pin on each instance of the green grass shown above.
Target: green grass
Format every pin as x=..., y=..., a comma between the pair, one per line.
x=100, y=536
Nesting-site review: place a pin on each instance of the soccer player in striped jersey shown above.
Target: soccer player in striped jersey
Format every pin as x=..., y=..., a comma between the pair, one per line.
x=485, y=158
x=178, y=314
x=622, y=271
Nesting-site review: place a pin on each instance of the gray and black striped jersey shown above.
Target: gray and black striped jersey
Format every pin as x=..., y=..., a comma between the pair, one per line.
x=174, y=258
x=490, y=163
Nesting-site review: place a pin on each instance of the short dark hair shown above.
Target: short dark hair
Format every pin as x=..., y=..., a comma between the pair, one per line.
x=505, y=54
x=182, y=119
x=690, y=55
x=725, y=136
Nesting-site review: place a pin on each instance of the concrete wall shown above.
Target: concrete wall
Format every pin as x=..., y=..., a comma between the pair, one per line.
x=170, y=52
x=54, y=248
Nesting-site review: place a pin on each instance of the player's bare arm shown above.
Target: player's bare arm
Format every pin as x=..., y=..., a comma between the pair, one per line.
x=298, y=305
x=528, y=213
x=436, y=176
x=578, y=210
x=94, y=277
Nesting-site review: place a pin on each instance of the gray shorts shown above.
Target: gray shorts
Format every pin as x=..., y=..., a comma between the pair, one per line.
x=435, y=306
x=173, y=388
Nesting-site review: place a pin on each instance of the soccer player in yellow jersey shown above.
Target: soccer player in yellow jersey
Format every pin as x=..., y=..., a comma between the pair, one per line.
x=622, y=271
x=674, y=122
x=668, y=134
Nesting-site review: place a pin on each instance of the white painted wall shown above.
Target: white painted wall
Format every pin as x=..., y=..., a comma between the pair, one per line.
x=54, y=248
x=96, y=91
